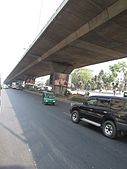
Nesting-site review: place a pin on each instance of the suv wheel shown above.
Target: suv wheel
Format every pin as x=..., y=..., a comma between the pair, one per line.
x=109, y=129
x=75, y=116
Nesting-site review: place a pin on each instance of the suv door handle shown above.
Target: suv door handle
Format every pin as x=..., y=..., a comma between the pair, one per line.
x=105, y=112
x=91, y=109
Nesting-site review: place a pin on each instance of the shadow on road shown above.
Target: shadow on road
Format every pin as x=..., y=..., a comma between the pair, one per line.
x=13, y=133
x=122, y=139
x=91, y=127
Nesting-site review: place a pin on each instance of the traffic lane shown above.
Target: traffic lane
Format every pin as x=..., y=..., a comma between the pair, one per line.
x=58, y=143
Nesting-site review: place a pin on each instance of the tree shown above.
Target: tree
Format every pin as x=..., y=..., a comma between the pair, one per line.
x=80, y=77
x=83, y=77
x=123, y=67
x=116, y=69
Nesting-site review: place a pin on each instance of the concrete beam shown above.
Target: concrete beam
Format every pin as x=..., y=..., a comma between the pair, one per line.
x=96, y=48
x=61, y=67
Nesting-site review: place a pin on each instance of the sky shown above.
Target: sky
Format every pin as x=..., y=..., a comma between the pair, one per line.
x=105, y=65
x=21, y=21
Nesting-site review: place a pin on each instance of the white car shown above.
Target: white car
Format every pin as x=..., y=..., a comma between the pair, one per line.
x=5, y=86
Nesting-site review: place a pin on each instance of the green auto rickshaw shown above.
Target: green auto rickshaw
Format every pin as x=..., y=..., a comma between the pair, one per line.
x=48, y=98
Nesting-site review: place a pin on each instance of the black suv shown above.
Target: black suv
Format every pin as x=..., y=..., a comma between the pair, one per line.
x=107, y=112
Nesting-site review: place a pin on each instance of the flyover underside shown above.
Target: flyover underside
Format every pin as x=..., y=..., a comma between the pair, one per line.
x=101, y=39
x=106, y=42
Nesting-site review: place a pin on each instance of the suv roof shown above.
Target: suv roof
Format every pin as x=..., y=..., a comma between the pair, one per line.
x=110, y=97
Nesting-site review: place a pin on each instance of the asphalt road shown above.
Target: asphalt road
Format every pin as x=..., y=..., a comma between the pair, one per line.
x=57, y=143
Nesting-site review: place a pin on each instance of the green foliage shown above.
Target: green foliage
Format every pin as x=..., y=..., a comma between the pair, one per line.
x=123, y=66
x=117, y=68
x=103, y=80
x=110, y=77
x=81, y=76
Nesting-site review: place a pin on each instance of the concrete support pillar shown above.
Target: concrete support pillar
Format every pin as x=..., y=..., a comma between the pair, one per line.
x=29, y=82
x=59, y=83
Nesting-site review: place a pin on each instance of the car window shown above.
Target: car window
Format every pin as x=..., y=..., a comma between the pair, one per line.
x=125, y=105
x=103, y=102
x=92, y=101
x=117, y=104
x=50, y=95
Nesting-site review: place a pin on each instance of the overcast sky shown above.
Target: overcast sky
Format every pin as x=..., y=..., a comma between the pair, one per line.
x=21, y=21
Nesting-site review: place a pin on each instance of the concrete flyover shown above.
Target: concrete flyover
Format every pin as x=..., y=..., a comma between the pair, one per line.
x=80, y=33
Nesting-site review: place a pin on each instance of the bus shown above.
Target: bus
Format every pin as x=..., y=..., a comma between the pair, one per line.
x=17, y=85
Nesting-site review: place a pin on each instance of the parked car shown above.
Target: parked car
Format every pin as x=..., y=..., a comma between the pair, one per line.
x=48, y=97
x=107, y=112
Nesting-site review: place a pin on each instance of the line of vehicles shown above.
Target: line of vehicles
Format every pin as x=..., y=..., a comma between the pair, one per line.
x=14, y=85
x=107, y=112
x=48, y=96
